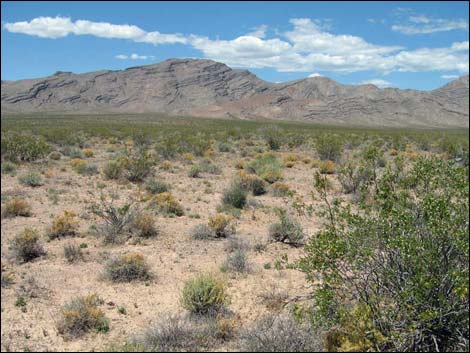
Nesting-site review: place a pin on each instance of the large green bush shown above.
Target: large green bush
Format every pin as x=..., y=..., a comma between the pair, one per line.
x=23, y=147
x=393, y=274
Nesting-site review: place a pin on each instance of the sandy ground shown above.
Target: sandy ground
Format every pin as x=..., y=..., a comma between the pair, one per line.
x=173, y=256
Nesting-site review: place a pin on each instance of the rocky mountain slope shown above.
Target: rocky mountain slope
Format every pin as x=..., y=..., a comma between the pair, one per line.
x=202, y=87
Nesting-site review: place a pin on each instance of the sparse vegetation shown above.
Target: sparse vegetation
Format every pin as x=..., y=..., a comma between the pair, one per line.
x=73, y=253
x=64, y=225
x=31, y=179
x=287, y=230
x=16, y=207
x=128, y=268
x=234, y=196
x=26, y=245
x=204, y=295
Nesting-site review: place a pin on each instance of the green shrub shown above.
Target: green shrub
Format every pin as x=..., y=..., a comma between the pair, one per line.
x=55, y=155
x=8, y=168
x=287, y=230
x=204, y=295
x=112, y=170
x=167, y=204
x=156, y=186
x=25, y=246
x=329, y=147
x=267, y=167
x=139, y=167
x=23, y=147
x=64, y=225
x=195, y=171
x=31, y=179
x=392, y=274
x=234, y=196
x=82, y=315
x=127, y=268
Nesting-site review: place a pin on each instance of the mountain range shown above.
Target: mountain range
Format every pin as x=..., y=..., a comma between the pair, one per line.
x=205, y=88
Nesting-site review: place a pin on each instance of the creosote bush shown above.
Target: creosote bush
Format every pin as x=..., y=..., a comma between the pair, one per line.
x=64, y=225
x=23, y=147
x=234, y=196
x=155, y=186
x=204, y=295
x=127, y=268
x=82, y=315
x=26, y=246
x=16, y=207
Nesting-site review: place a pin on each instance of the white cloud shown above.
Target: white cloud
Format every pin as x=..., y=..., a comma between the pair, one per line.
x=315, y=74
x=424, y=25
x=450, y=77
x=377, y=82
x=59, y=27
x=307, y=47
x=134, y=56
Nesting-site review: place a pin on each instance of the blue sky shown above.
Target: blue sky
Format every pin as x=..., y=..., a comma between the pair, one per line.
x=419, y=45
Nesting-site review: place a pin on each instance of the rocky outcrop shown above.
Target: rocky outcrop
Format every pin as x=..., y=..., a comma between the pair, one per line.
x=202, y=87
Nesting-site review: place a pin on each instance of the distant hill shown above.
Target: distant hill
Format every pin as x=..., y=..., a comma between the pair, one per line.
x=201, y=87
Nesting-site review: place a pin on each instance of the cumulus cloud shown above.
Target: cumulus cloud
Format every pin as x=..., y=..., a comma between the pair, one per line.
x=59, y=27
x=309, y=46
x=134, y=56
x=377, y=82
x=424, y=25
x=315, y=74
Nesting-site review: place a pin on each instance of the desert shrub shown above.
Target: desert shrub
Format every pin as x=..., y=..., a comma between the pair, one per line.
x=329, y=147
x=201, y=231
x=78, y=165
x=73, y=253
x=353, y=177
x=23, y=147
x=138, y=166
x=272, y=137
x=16, y=207
x=82, y=315
x=239, y=164
x=8, y=168
x=26, y=246
x=188, y=157
x=223, y=147
x=88, y=153
x=287, y=230
x=55, y=155
x=112, y=170
x=252, y=183
x=31, y=179
x=236, y=262
x=234, y=196
x=127, y=268
x=195, y=171
x=204, y=295
x=211, y=168
x=280, y=189
x=167, y=204
x=64, y=225
x=393, y=273
x=267, y=167
x=156, y=186
x=221, y=225
x=327, y=167
x=167, y=145
x=280, y=333
x=144, y=226
x=115, y=221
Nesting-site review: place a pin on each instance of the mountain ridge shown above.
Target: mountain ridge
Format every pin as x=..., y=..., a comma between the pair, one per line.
x=202, y=87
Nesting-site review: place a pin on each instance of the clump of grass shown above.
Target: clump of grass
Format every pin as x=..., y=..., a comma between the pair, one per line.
x=280, y=189
x=82, y=315
x=8, y=168
x=128, y=268
x=55, y=155
x=155, y=186
x=167, y=204
x=64, y=225
x=73, y=253
x=195, y=171
x=88, y=153
x=204, y=295
x=31, y=179
x=201, y=231
x=26, y=246
x=78, y=165
x=287, y=230
x=280, y=333
x=144, y=225
x=236, y=262
x=327, y=167
x=16, y=207
x=267, y=167
x=221, y=225
x=234, y=196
